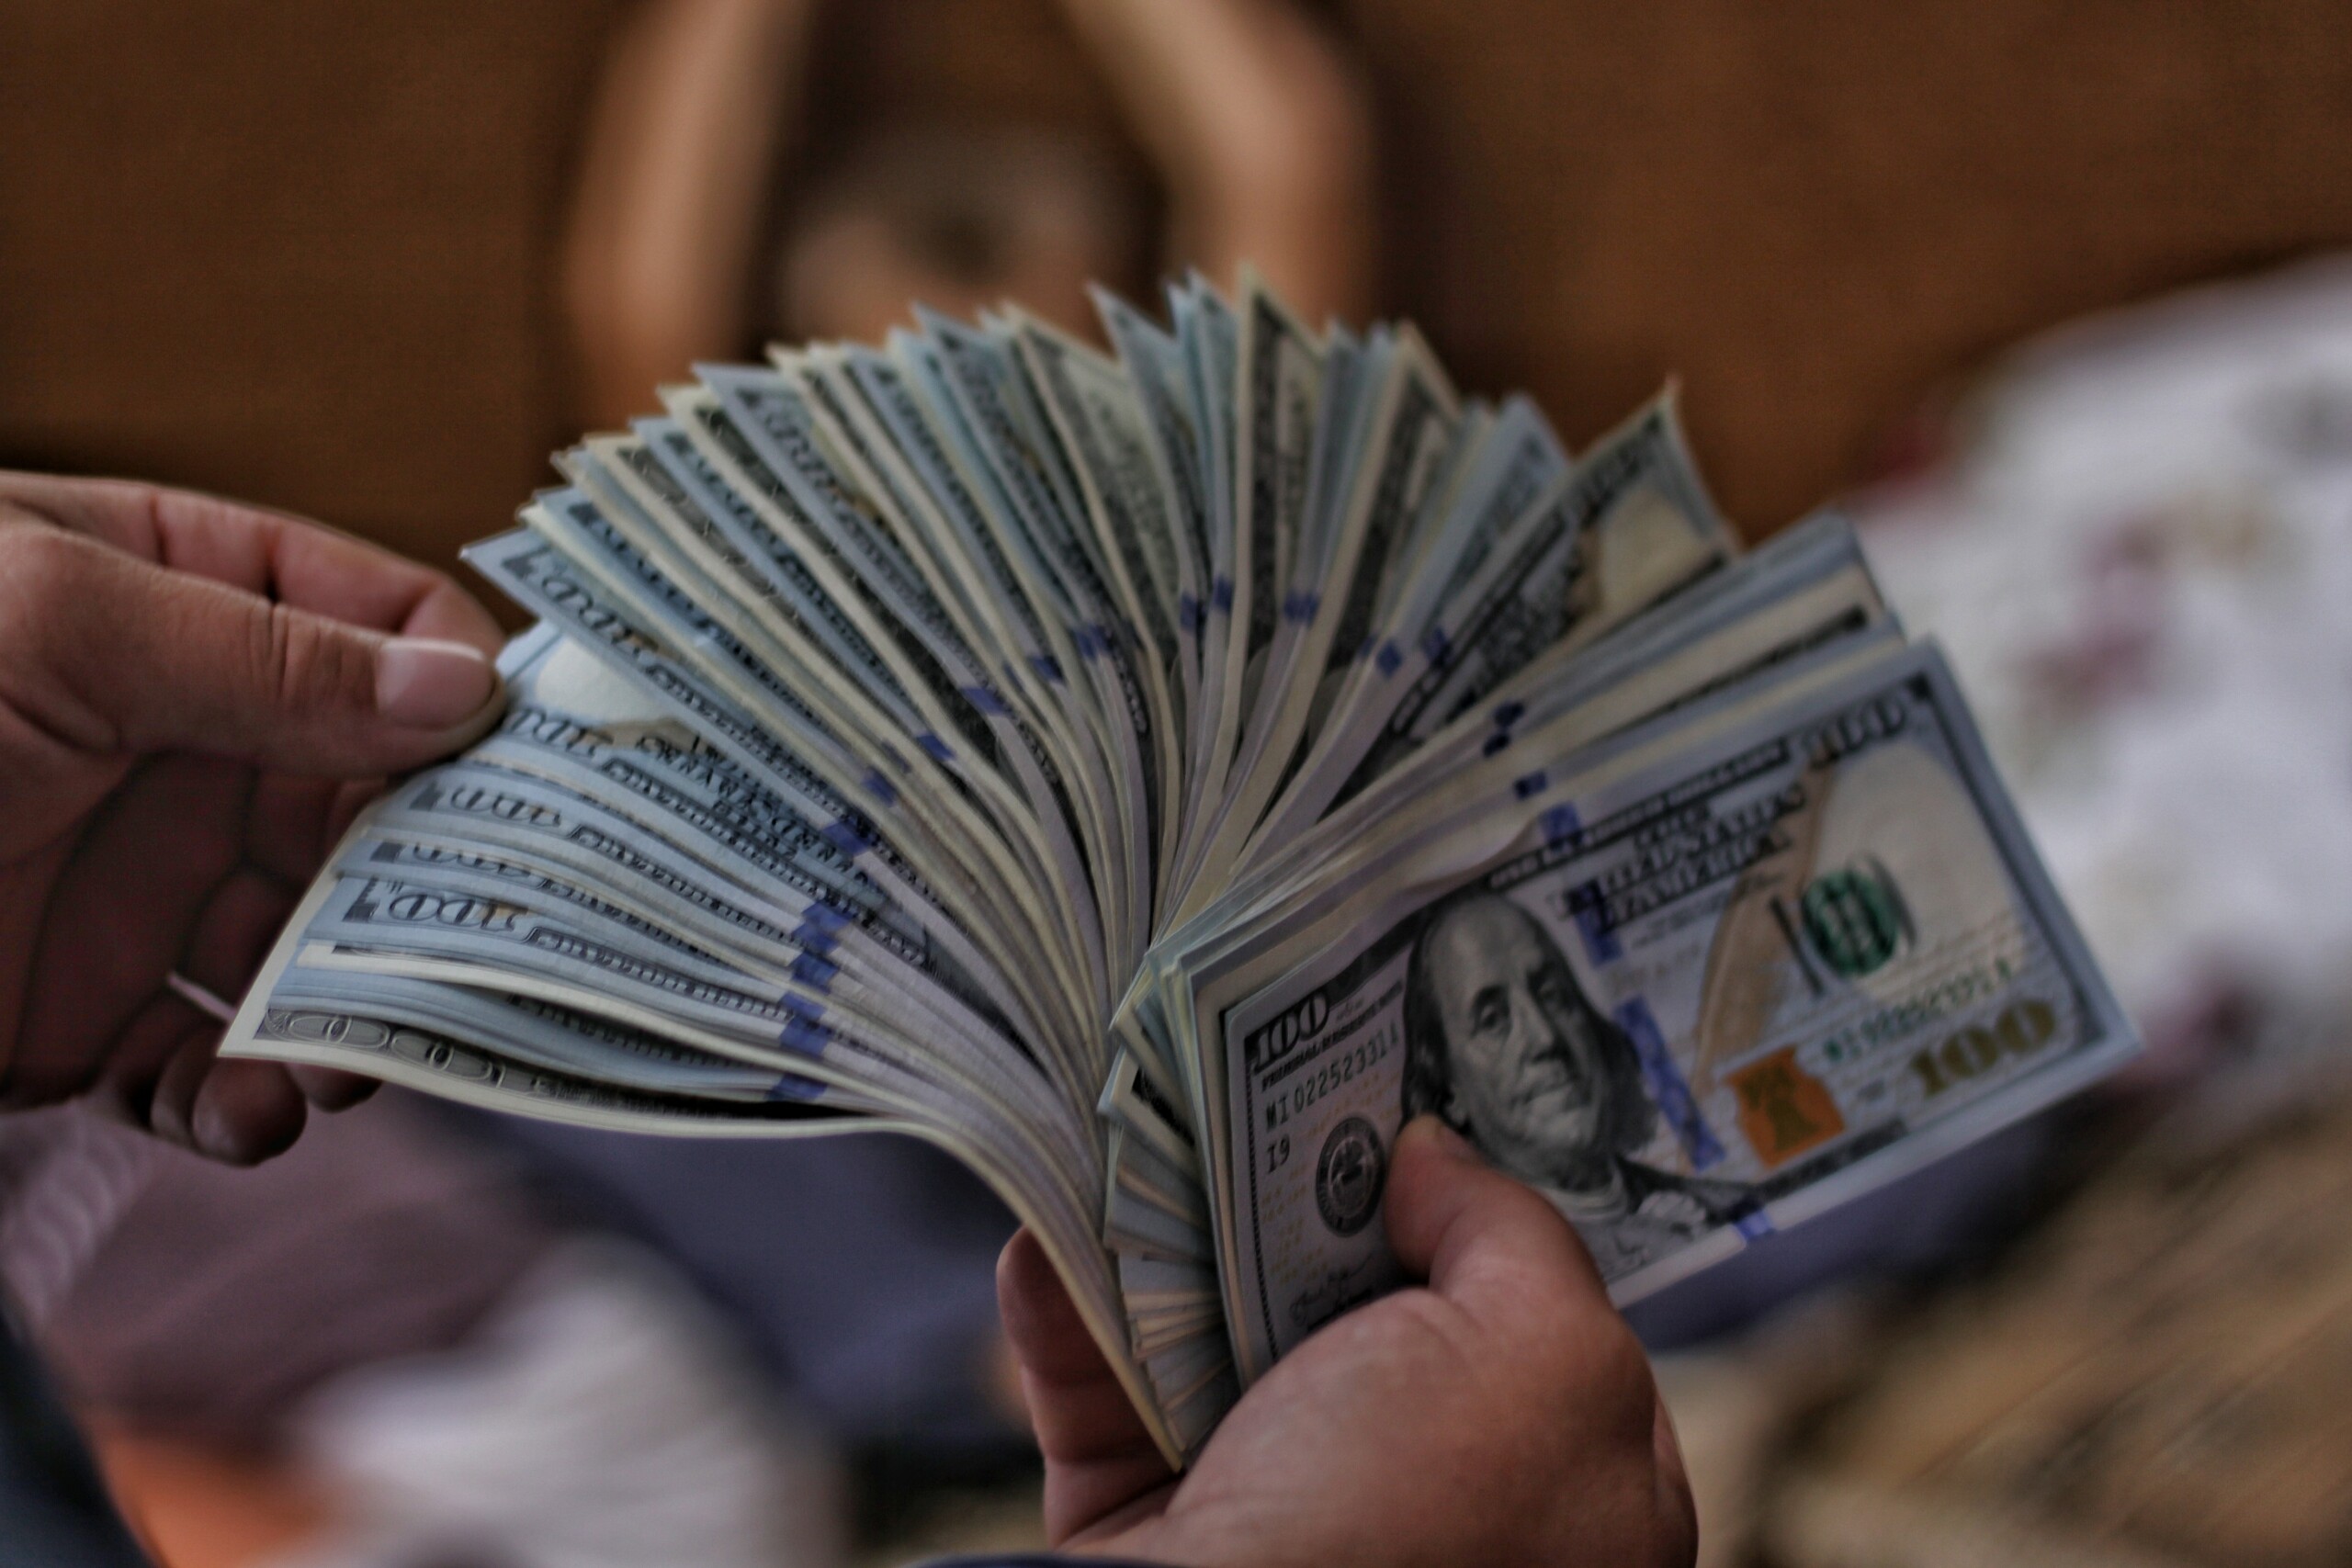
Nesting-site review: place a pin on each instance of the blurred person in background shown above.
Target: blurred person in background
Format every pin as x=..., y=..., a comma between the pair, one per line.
x=1255, y=124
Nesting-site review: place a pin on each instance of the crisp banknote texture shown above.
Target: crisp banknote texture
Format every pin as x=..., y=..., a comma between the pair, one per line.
x=1154, y=772
x=1688, y=1002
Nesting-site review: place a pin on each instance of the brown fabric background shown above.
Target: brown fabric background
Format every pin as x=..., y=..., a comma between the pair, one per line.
x=304, y=253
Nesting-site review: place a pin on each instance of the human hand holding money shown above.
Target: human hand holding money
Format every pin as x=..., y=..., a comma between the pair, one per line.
x=1535, y=1432
x=186, y=687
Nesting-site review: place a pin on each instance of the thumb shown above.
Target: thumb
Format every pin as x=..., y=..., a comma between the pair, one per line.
x=1098, y=1458
x=111, y=653
x=1478, y=1235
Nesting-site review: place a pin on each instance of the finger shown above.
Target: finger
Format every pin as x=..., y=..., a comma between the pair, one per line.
x=330, y=1089
x=351, y=797
x=110, y=653
x=236, y=1112
x=289, y=559
x=293, y=825
x=233, y=939
x=246, y=1111
x=119, y=915
x=1098, y=1456
x=287, y=827
x=1041, y=1320
x=234, y=932
x=1475, y=1235
x=171, y=1107
x=126, y=1086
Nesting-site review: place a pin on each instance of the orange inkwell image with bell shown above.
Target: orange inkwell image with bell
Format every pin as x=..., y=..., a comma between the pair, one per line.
x=1783, y=1110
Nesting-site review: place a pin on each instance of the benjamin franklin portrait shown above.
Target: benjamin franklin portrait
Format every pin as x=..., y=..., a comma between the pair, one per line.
x=1502, y=1042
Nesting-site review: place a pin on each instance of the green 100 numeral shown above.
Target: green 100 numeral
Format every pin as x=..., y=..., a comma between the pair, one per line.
x=2022, y=1028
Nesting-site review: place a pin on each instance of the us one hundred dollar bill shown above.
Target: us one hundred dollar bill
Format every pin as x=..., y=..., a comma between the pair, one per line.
x=1154, y=772
x=1778, y=950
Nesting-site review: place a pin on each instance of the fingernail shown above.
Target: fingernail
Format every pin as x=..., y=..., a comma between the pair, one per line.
x=430, y=684
x=215, y=1137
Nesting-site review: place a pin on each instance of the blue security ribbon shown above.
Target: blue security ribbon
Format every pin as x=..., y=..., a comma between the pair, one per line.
x=1666, y=1085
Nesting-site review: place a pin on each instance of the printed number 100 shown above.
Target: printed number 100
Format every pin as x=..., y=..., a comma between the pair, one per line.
x=2022, y=1028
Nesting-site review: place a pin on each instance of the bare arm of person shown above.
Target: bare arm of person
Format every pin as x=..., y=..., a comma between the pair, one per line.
x=684, y=139
x=1262, y=131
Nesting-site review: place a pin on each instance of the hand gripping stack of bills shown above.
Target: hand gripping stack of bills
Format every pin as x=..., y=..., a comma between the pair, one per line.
x=1155, y=776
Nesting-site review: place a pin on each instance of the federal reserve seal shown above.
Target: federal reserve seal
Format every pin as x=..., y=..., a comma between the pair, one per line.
x=1348, y=1176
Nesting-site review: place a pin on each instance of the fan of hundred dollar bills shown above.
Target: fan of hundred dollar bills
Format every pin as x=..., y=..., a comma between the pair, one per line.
x=1154, y=778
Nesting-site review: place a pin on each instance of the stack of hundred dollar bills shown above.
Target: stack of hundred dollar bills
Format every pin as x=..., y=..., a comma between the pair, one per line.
x=1155, y=776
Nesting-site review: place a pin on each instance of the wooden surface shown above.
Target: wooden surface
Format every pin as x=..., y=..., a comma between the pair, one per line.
x=305, y=253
